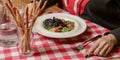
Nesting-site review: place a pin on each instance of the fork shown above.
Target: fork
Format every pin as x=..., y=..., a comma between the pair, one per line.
x=82, y=45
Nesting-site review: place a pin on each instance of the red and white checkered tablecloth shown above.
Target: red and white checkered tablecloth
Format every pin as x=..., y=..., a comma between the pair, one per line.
x=60, y=49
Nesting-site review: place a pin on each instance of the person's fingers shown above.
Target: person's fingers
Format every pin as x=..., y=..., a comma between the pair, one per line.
x=92, y=48
x=103, y=51
x=99, y=48
x=108, y=50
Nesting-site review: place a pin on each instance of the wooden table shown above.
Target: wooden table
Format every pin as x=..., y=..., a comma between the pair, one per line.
x=20, y=3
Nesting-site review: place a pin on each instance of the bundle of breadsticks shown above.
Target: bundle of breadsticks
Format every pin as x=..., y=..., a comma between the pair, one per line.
x=25, y=27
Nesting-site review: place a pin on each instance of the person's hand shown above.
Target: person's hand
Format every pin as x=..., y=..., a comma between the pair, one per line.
x=102, y=46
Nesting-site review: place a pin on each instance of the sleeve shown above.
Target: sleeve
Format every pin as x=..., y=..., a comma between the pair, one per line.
x=116, y=33
x=75, y=7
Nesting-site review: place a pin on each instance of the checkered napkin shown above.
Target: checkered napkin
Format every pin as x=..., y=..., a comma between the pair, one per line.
x=60, y=49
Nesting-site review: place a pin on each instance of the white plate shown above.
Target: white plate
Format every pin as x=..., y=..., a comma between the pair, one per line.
x=80, y=25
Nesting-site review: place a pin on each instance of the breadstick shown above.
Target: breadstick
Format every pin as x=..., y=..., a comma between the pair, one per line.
x=26, y=16
x=19, y=19
x=44, y=5
x=10, y=3
x=34, y=6
x=38, y=6
x=37, y=13
x=11, y=10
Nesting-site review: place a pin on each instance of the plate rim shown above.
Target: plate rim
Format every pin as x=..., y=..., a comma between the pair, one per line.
x=35, y=29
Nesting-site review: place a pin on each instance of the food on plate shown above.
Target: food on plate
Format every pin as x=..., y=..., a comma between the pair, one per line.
x=58, y=25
